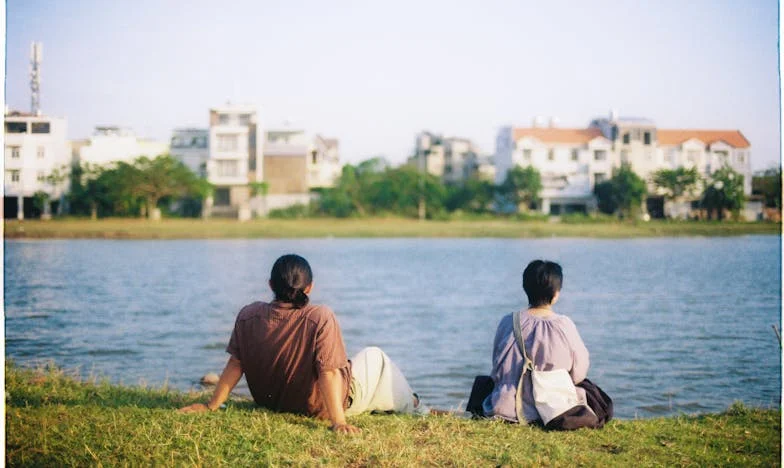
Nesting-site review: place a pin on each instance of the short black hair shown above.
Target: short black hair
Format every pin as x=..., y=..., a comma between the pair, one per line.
x=541, y=280
x=290, y=275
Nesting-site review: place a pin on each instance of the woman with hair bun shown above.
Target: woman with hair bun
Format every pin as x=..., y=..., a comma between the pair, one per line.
x=294, y=360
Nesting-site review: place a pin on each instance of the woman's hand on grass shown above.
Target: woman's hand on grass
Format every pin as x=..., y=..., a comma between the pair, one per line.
x=345, y=429
x=194, y=408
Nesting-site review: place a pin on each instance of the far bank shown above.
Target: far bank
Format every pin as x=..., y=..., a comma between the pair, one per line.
x=119, y=228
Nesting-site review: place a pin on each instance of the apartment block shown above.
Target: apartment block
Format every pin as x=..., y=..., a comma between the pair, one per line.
x=452, y=159
x=109, y=144
x=35, y=147
x=573, y=160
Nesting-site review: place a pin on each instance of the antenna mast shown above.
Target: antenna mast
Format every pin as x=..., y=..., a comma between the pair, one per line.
x=36, y=54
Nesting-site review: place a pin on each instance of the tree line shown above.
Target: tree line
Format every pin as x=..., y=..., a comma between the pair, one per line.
x=373, y=188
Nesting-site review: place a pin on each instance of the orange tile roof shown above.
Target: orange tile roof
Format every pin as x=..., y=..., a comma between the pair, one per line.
x=733, y=138
x=558, y=135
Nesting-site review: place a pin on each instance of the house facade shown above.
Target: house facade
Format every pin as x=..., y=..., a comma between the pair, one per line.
x=452, y=159
x=572, y=161
x=35, y=149
x=191, y=147
x=109, y=144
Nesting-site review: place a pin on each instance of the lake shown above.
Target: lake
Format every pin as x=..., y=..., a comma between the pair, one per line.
x=673, y=325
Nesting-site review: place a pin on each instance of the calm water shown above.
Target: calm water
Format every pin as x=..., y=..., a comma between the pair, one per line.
x=673, y=325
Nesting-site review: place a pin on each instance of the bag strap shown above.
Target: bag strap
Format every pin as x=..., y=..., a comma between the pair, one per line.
x=518, y=333
x=527, y=365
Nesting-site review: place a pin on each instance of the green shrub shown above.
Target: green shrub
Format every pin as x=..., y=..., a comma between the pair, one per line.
x=297, y=211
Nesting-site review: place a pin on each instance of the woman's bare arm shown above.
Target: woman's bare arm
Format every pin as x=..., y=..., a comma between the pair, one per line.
x=228, y=380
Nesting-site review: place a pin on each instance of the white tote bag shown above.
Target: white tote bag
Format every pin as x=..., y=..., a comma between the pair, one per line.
x=553, y=391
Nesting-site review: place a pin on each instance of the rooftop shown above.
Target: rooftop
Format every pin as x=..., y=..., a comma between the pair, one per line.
x=557, y=135
x=733, y=138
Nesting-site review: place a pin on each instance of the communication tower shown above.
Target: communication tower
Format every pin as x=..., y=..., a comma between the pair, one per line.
x=36, y=55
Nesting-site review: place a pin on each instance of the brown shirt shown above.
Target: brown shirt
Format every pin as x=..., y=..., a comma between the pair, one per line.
x=283, y=350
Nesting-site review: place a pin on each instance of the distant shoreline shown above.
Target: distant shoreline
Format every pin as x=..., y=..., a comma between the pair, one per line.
x=119, y=228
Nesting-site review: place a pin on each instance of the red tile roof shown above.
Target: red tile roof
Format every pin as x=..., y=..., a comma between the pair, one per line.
x=558, y=135
x=733, y=138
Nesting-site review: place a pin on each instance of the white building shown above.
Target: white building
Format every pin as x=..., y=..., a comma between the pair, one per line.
x=35, y=147
x=191, y=147
x=288, y=156
x=569, y=160
x=573, y=161
x=234, y=161
x=109, y=144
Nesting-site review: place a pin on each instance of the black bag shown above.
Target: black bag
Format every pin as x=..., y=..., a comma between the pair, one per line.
x=483, y=386
x=580, y=416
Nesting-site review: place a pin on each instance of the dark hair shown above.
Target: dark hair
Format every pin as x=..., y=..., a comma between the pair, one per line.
x=541, y=280
x=290, y=276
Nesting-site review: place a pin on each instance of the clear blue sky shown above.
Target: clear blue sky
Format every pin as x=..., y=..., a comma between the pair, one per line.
x=374, y=73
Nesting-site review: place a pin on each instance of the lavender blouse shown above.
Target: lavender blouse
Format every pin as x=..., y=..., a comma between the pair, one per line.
x=551, y=342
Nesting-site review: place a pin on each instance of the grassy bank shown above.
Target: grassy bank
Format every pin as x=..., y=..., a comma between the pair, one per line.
x=373, y=227
x=54, y=420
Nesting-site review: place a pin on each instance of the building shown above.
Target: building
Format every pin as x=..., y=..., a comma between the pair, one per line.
x=324, y=163
x=573, y=160
x=570, y=161
x=191, y=147
x=234, y=161
x=288, y=155
x=36, y=148
x=110, y=144
x=452, y=159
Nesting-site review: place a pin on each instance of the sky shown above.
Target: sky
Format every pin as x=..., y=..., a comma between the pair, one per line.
x=373, y=74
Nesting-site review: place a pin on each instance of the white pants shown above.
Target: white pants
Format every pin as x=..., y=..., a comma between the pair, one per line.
x=378, y=385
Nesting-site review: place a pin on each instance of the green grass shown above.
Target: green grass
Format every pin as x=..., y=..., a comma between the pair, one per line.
x=53, y=419
x=369, y=227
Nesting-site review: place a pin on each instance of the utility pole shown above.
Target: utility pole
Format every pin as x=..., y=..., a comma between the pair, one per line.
x=422, y=166
x=36, y=55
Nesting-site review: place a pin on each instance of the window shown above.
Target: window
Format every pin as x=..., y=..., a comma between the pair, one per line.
x=41, y=152
x=624, y=156
x=227, y=142
x=575, y=155
x=244, y=119
x=614, y=133
x=228, y=168
x=599, y=177
x=626, y=138
x=40, y=127
x=15, y=176
x=693, y=156
x=15, y=150
x=646, y=138
x=41, y=176
x=599, y=155
x=723, y=156
x=527, y=154
x=741, y=157
x=223, y=119
x=649, y=155
x=313, y=156
x=551, y=155
x=16, y=127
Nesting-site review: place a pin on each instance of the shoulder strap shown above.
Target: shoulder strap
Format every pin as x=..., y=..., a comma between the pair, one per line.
x=527, y=364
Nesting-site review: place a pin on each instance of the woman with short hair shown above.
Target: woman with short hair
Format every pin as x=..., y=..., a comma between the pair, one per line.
x=294, y=360
x=551, y=342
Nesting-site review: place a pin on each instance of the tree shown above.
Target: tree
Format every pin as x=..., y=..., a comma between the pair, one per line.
x=676, y=182
x=473, y=195
x=724, y=192
x=521, y=187
x=153, y=179
x=768, y=184
x=623, y=193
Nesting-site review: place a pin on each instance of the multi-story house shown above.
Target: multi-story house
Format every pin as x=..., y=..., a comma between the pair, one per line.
x=452, y=159
x=287, y=158
x=234, y=159
x=109, y=144
x=324, y=162
x=570, y=161
x=573, y=161
x=36, y=148
x=191, y=147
